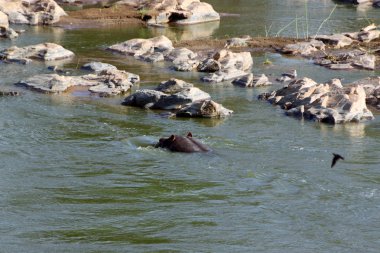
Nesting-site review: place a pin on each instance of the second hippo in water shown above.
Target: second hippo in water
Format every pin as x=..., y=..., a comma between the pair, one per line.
x=187, y=144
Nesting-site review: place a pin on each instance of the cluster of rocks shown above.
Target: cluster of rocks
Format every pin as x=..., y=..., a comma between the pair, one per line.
x=329, y=102
x=221, y=64
x=157, y=12
x=106, y=80
x=32, y=12
x=44, y=52
x=174, y=94
x=338, y=57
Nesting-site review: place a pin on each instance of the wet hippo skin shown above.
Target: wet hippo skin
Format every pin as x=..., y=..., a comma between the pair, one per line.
x=187, y=144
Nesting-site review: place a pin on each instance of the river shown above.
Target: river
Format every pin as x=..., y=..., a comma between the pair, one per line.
x=79, y=174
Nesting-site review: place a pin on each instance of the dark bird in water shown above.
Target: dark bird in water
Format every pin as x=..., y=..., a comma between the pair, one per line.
x=335, y=159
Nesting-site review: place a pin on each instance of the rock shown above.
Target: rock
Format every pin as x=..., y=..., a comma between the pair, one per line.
x=232, y=65
x=4, y=22
x=183, y=59
x=348, y=60
x=36, y=12
x=9, y=93
x=105, y=83
x=173, y=86
x=199, y=12
x=98, y=66
x=45, y=52
x=336, y=40
x=376, y=3
x=174, y=11
x=252, y=81
x=8, y=33
x=205, y=109
x=371, y=86
x=209, y=65
x=329, y=103
x=303, y=48
x=288, y=76
x=367, y=36
x=237, y=42
x=177, y=95
x=152, y=50
x=223, y=75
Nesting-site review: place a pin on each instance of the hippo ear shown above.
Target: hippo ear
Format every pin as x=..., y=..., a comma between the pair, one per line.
x=189, y=134
x=171, y=138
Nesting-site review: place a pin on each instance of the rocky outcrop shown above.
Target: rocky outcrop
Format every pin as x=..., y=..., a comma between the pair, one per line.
x=152, y=50
x=105, y=83
x=223, y=64
x=32, y=12
x=44, y=52
x=226, y=65
x=329, y=103
x=169, y=95
x=156, y=12
x=331, y=50
x=204, y=109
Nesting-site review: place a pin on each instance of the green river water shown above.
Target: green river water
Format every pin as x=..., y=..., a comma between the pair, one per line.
x=79, y=174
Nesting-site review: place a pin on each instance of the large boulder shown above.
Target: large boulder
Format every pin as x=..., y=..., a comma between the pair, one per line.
x=104, y=83
x=172, y=94
x=44, y=51
x=157, y=12
x=5, y=30
x=152, y=50
x=228, y=65
x=32, y=12
x=329, y=103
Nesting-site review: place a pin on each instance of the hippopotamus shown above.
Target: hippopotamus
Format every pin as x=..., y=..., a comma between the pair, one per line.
x=187, y=144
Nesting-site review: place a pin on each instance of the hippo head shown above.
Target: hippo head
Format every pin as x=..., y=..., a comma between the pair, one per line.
x=186, y=144
x=165, y=142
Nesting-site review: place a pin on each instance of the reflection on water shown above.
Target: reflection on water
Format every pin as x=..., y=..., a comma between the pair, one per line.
x=187, y=32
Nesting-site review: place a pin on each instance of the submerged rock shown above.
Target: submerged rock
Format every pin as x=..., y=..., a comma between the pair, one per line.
x=98, y=66
x=204, y=109
x=329, y=103
x=105, y=83
x=44, y=51
x=172, y=94
x=36, y=12
x=6, y=93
